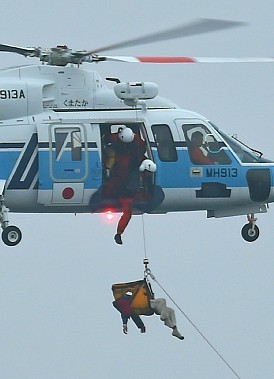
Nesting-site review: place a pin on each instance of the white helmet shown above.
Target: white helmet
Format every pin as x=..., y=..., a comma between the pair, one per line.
x=126, y=135
x=148, y=165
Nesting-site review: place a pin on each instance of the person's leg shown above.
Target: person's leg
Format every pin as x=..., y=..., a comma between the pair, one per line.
x=124, y=220
x=138, y=322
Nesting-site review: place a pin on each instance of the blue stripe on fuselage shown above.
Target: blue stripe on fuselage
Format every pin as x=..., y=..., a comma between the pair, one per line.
x=177, y=174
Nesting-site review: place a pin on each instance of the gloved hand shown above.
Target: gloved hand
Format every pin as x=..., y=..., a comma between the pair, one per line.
x=125, y=328
x=108, y=171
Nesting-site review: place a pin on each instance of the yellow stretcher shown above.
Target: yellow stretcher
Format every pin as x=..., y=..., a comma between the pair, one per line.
x=141, y=295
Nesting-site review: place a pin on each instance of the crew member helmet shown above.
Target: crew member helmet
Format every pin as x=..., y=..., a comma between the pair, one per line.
x=126, y=135
x=148, y=165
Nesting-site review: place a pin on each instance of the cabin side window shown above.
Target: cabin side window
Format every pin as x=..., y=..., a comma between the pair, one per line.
x=203, y=148
x=164, y=143
x=76, y=145
x=68, y=139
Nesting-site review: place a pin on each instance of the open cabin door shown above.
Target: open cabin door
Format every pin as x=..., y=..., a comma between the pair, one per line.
x=65, y=165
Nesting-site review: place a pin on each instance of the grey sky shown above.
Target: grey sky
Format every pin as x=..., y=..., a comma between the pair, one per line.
x=56, y=319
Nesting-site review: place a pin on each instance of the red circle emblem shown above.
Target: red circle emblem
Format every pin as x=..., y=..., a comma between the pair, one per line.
x=68, y=193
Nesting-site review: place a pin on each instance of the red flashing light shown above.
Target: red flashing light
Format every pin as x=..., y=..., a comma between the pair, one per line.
x=109, y=215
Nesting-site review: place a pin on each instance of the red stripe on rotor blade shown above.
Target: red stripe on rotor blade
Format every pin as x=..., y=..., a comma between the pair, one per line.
x=166, y=60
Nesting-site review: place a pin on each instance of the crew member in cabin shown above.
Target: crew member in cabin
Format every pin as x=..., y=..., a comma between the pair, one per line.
x=197, y=155
x=125, y=154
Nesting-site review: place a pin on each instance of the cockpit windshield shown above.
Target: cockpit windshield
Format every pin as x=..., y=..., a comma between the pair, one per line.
x=243, y=152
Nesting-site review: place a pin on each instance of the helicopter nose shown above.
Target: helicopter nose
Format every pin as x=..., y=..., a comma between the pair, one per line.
x=270, y=184
x=261, y=184
x=271, y=194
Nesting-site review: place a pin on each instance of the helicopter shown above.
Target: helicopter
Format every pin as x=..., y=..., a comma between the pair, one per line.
x=57, y=120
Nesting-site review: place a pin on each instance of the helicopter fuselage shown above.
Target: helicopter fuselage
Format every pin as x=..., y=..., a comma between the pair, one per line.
x=55, y=124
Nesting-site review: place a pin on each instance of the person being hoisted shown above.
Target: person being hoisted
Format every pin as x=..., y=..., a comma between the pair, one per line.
x=147, y=305
x=123, y=305
x=167, y=315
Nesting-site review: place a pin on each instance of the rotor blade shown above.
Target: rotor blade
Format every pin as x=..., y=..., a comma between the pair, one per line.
x=197, y=27
x=26, y=51
x=168, y=60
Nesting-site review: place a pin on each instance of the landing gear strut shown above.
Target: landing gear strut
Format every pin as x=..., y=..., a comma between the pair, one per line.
x=250, y=231
x=11, y=235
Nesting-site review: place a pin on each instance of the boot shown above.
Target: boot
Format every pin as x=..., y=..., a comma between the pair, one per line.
x=176, y=333
x=118, y=239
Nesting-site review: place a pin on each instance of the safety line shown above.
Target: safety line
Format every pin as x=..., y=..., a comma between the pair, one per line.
x=148, y=272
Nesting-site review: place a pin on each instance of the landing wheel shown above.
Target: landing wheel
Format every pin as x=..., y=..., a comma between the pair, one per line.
x=11, y=235
x=250, y=234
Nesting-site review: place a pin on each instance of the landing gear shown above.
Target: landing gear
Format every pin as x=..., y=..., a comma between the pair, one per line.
x=11, y=235
x=250, y=231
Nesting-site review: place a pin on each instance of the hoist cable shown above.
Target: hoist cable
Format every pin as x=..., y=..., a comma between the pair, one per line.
x=148, y=272
x=143, y=223
x=144, y=236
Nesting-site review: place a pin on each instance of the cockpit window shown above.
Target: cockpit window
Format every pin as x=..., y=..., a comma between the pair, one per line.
x=203, y=147
x=243, y=152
